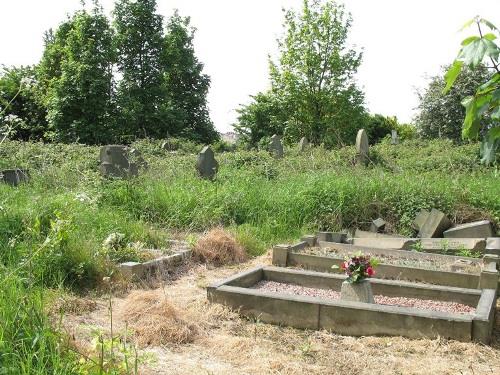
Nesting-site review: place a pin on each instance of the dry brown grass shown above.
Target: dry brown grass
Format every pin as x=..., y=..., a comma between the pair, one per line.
x=154, y=320
x=219, y=247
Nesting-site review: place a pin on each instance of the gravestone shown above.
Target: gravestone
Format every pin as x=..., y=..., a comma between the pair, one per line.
x=476, y=229
x=377, y=225
x=169, y=146
x=357, y=292
x=303, y=144
x=435, y=225
x=362, y=147
x=14, y=177
x=276, y=147
x=420, y=219
x=206, y=164
x=394, y=137
x=118, y=161
x=432, y=244
x=338, y=237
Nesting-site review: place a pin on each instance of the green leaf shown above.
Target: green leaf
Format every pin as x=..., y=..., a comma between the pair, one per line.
x=489, y=24
x=452, y=74
x=490, y=146
x=468, y=23
x=473, y=53
x=490, y=36
x=469, y=40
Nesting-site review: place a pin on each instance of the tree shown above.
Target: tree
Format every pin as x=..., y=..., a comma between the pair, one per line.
x=441, y=114
x=76, y=74
x=186, y=86
x=485, y=102
x=314, y=75
x=141, y=92
x=20, y=105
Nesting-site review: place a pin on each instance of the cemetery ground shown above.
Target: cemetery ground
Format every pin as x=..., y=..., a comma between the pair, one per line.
x=53, y=260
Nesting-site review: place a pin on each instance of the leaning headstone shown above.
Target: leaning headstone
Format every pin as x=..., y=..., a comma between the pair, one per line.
x=420, y=219
x=377, y=225
x=14, y=177
x=435, y=225
x=117, y=161
x=394, y=137
x=303, y=144
x=362, y=147
x=476, y=229
x=276, y=147
x=206, y=164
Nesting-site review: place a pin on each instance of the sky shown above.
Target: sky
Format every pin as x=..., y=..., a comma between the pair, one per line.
x=403, y=41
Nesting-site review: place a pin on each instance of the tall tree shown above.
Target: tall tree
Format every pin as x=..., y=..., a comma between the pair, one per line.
x=76, y=73
x=185, y=84
x=139, y=42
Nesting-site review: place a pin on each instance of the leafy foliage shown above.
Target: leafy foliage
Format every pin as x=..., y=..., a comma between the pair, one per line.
x=486, y=100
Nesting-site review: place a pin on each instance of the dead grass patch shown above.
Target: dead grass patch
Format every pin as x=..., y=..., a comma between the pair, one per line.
x=154, y=320
x=219, y=247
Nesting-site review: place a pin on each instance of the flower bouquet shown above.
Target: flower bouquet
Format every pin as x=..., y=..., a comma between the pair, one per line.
x=358, y=268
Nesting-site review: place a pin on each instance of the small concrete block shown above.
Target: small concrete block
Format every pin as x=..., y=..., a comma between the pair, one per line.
x=420, y=219
x=357, y=292
x=492, y=245
x=488, y=258
x=310, y=239
x=476, y=229
x=280, y=255
x=377, y=225
x=435, y=225
x=132, y=269
x=488, y=279
x=338, y=237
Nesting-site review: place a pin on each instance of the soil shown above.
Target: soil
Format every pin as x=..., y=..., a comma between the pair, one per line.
x=228, y=344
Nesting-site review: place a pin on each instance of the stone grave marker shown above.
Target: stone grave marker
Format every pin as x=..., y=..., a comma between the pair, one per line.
x=357, y=292
x=117, y=161
x=493, y=245
x=377, y=225
x=276, y=147
x=394, y=137
x=339, y=237
x=303, y=144
x=420, y=219
x=169, y=146
x=362, y=147
x=385, y=242
x=474, y=244
x=476, y=229
x=435, y=224
x=14, y=177
x=206, y=165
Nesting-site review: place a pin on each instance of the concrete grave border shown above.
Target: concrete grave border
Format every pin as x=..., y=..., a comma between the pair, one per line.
x=357, y=318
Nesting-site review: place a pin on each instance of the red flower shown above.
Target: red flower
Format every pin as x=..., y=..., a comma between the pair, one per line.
x=370, y=271
x=344, y=265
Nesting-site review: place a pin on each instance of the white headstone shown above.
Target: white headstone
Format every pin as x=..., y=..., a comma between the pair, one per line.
x=362, y=146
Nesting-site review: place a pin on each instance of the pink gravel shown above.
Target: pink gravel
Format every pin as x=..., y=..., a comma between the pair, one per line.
x=425, y=304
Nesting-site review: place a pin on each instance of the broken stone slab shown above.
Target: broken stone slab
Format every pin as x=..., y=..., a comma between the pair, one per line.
x=475, y=229
x=362, y=147
x=473, y=244
x=364, y=234
x=206, y=165
x=338, y=237
x=303, y=144
x=420, y=219
x=357, y=292
x=14, y=177
x=385, y=243
x=377, y=225
x=276, y=147
x=435, y=225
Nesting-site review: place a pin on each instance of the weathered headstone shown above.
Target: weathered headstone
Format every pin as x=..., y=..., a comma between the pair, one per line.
x=206, y=164
x=362, y=147
x=303, y=144
x=435, y=225
x=420, y=219
x=476, y=229
x=357, y=292
x=169, y=146
x=14, y=177
x=394, y=137
x=118, y=161
x=276, y=147
x=377, y=225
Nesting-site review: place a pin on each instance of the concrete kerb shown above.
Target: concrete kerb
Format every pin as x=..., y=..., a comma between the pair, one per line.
x=355, y=318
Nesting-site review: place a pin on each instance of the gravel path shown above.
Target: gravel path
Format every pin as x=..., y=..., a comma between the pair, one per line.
x=450, y=307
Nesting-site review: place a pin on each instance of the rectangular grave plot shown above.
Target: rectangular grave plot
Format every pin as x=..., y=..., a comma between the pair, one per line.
x=354, y=318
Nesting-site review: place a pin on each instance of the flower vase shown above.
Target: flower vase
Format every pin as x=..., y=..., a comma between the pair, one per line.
x=357, y=292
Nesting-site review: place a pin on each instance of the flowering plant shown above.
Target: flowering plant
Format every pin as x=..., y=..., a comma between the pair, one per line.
x=359, y=267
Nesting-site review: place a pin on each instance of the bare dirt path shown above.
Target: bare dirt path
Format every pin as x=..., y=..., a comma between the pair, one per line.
x=224, y=343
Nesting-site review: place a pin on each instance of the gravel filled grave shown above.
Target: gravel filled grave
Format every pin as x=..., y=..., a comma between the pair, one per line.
x=284, y=288
x=431, y=264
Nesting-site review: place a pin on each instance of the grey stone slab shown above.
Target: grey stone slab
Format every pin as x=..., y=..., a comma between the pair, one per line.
x=385, y=243
x=445, y=244
x=435, y=225
x=365, y=234
x=276, y=147
x=377, y=225
x=303, y=144
x=339, y=237
x=484, y=317
x=357, y=292
x=206, y=165
x=476, y=229
x=493, y=245
x=310, y=239
x=119, y=161
x=420, y=219
x=280, y=254
x=362, y=147
x=15, y=176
